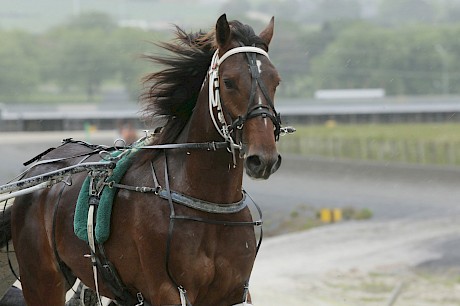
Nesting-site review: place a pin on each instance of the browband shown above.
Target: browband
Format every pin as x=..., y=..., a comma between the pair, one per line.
x=241, y=50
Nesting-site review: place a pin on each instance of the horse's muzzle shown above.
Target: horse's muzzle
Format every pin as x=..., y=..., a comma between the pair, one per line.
x=262, y=166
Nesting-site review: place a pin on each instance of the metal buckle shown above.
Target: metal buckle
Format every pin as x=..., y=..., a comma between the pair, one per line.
x=183, y=296
x=287, y=130
x=121, y=141
x=140, y=299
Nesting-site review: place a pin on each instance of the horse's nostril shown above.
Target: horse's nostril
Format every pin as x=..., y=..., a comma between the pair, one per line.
x=262, y=166
x=254, y=161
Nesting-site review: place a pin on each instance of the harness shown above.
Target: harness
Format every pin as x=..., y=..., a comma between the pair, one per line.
x=100, y=261
x=227, y=131
x=98, y=173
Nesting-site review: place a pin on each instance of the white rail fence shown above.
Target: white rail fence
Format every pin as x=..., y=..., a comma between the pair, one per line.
x=408, y=151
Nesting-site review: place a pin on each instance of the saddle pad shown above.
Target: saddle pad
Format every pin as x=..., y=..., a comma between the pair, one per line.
x=104, y=209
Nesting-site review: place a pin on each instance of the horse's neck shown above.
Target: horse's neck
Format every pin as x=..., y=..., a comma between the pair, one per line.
x=209, y=175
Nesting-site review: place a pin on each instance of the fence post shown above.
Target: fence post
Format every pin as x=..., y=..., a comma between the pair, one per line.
x=450, y=155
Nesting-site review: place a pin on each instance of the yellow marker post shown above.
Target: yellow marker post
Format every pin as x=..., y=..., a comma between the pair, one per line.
x=337, y=214
x=328, y=215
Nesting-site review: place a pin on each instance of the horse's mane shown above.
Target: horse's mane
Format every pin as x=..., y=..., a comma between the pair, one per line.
x=173, y=91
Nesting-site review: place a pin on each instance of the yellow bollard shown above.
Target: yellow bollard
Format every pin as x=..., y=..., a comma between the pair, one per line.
x=326, y=215
x=337, y=214
x=330, y=215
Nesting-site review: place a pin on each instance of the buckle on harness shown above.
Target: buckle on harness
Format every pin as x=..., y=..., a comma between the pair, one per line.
x=183, y=296
x=140, y=299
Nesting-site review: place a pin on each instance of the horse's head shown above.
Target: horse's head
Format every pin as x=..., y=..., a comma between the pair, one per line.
x=242, y=91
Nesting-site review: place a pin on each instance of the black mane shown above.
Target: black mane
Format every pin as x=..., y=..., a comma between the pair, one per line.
x=173, y=91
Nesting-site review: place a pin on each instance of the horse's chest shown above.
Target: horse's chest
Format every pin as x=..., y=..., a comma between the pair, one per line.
x=218, y=253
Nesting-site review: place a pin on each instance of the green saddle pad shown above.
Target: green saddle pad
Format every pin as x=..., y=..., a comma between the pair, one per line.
x=104, y=210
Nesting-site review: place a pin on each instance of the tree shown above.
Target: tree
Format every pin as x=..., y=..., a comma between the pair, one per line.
x=92, y=21
x=128, y=45
x=333, y=10
x=19, y=71
x=85, y=60
x=406, y=11
x=402, y=61
x=83, y=57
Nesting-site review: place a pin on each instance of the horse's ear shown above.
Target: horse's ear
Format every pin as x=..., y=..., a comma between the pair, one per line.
x=222, y=31
x=267, y=33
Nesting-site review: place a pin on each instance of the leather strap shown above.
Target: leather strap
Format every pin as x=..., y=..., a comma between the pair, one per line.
x=209, y=146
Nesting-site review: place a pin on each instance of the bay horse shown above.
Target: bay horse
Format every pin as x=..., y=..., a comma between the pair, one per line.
x=215, y=88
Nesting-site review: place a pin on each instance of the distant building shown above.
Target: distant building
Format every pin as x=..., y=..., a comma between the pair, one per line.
x=334, y=94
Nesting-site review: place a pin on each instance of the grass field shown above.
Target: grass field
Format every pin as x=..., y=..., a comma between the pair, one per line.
x=411, y=143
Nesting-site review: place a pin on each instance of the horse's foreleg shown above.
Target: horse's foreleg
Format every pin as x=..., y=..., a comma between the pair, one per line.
x=41, y=280
x=48, y=290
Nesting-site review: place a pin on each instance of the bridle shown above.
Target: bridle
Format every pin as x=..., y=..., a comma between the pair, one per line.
x=254, y=109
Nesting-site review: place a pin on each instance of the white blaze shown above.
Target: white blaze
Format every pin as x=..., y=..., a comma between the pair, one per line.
x=259, y=66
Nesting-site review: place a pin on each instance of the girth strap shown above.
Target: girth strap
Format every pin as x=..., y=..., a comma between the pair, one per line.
x=113, y=281
x=109, y=274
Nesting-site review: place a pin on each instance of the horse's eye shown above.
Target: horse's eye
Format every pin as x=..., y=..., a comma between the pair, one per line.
x=229, y=84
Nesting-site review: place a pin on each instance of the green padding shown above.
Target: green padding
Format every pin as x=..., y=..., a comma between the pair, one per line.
x=81, y=212
x=104, y=210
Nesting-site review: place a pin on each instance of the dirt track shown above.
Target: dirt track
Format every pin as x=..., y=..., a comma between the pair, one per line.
x=361, y=263
x=411, y=244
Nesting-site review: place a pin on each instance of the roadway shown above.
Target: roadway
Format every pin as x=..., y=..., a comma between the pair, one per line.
x=407, y=251
x=389, y=190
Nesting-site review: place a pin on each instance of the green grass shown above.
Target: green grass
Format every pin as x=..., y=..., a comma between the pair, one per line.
x=410, y=143
x=305, y=217
x=426, y=132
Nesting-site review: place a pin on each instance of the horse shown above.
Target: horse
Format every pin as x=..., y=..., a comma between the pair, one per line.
x=216, y=94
